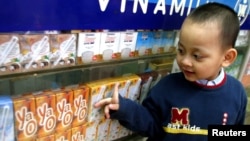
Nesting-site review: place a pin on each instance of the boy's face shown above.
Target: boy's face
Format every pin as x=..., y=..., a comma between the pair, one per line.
x=200, y=53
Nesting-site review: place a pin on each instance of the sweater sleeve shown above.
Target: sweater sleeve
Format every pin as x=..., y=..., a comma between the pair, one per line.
x=137, y=118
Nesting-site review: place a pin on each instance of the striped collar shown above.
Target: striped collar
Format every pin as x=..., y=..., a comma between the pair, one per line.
x=214, y=82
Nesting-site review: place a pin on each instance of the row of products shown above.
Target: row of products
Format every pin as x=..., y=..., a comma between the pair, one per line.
x=67, y=114
x=26, y=52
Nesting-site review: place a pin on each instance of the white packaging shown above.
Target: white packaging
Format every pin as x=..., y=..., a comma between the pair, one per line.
x=127, y=44
x=109, y=45
x=6, y=119
x=88, y=47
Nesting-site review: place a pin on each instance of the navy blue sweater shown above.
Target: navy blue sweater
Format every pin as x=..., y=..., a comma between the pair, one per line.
x=179, y=110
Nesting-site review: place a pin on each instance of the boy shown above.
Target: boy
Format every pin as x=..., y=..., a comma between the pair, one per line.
x=182, y=105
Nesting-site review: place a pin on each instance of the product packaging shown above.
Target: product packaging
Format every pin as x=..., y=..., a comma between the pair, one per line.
x=88, y=50
x=109, y=45
x=63, y=50
x=144, y=43
x=26, y=124
x=10, y=55
x=45, y=113
x=6, y=119
x=127, y=44
x=35, y=50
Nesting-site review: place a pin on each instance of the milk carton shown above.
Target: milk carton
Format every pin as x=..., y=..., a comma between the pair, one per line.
x=6, y=119
x=109, y=45
x=10, y=55
x=25, y=121
x=88, y=47
x=127, y=44
x=63, y=49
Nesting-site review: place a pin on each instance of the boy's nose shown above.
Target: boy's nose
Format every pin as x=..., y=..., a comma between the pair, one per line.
x=186, y=61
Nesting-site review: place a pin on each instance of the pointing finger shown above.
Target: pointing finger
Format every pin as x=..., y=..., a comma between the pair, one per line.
x=115, y=97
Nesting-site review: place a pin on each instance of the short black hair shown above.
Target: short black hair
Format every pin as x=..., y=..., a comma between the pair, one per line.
x=225, y=16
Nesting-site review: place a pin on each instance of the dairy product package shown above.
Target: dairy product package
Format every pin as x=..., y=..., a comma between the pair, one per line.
x=10, y=55
x=127, y=44
x=46, y=138
x=103, y=130
x=80, y=108
x=63, y=50
x=45, y=113
x=168, y=39
x=64, y=111
x=109, y=45
x=157, y=47
x=88, y=50
x=97, y=92
x=78, y=133
x=144, y=43
x=63, y=135
x=35, y=51
x=26, y=124
x=91, y=131
x=6, y=119
x=114, y=129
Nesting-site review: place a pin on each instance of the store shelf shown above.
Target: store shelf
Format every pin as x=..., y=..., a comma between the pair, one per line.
x=24, y=82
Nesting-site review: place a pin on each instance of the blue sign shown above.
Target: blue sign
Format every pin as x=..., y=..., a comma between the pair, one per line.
x=37, y=15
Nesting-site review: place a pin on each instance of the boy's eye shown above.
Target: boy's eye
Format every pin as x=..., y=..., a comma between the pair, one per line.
x=180, y=50
x=197, y=56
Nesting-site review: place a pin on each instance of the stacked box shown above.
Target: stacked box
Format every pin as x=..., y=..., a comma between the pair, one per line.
x=144, y=43
x=88, y=47
x=6, y=119
x=45, y=113
x=63, y=49
x=64, y=111
x=127, y=44
x=109, y=45
x=25, y=121
x=80, y=108
x=35, y=50
x=10, y=54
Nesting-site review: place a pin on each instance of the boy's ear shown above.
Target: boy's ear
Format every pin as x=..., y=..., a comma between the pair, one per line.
x=229, y=57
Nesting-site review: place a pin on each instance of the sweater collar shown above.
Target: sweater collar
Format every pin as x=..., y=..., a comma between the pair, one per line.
x=218, y=80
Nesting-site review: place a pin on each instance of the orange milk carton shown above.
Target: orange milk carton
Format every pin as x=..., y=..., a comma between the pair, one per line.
x=25, y=120
x=47, y=138
x=64, y=112
x=77, y=133
x=63, y=135
x=46, y=113
x=80, y=108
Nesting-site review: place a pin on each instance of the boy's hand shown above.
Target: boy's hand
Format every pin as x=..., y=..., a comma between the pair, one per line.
x=111, y=103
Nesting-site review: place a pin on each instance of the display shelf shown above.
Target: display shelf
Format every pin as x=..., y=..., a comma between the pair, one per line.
x=23, y=82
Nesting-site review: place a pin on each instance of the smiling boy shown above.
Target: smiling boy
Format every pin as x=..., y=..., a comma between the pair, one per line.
x=182, y=105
